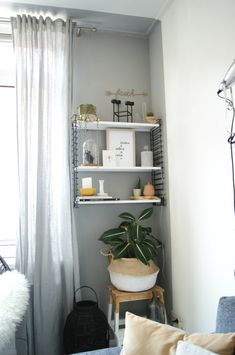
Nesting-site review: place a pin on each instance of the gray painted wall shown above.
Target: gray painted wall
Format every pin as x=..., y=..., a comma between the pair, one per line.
x=108, y=62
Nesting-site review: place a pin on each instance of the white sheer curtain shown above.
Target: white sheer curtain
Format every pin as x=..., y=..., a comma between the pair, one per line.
x=45, y=245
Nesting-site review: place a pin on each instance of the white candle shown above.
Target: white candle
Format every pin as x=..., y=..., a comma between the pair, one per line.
x=87, y=182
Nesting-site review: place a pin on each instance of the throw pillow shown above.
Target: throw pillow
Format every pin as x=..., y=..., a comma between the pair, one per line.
x=143, y=336
x=185, y=348
x=221, y=343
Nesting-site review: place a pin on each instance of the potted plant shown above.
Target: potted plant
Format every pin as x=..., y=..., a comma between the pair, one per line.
x=137, y=188
x=150, y=118
x=133, y=248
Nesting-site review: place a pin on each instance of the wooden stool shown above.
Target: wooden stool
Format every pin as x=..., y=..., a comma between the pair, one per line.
x=117, y=297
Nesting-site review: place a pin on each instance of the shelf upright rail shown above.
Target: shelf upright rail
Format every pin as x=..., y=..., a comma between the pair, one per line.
x=75, y=158
x=158, y=160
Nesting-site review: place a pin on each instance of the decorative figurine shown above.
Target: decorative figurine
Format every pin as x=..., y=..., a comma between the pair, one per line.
x=90, y=154
x=149, y=190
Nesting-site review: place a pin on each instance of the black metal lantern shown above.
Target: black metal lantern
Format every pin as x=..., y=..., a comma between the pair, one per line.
x=86, y=327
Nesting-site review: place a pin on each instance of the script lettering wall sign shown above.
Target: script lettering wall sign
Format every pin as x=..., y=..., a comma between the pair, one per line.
x=129, y=93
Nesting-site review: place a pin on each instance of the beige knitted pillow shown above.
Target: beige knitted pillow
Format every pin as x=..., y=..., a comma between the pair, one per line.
x=145, y=337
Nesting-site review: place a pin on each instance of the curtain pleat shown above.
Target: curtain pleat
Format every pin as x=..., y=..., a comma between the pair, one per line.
x=45, y=241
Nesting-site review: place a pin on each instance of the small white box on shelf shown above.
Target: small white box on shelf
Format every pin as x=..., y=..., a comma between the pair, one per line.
x=109, y=158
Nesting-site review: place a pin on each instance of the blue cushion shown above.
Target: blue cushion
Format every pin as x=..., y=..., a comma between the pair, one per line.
x=225, y=320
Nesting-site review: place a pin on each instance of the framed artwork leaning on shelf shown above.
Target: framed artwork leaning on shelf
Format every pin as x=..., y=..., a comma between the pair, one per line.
x=123, y=142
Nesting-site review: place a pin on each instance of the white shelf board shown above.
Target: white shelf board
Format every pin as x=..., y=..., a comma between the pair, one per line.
x=102, y=125
x=101, y=169
x=115, y=202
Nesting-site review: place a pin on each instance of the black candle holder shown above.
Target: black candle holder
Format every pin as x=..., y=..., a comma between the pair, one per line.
x=128, y=113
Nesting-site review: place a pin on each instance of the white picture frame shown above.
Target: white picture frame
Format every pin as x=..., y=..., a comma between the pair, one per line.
x=109, y=158
x=122, y=140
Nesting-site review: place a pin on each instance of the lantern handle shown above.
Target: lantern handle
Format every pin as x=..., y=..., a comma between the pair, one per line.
x=79, y=289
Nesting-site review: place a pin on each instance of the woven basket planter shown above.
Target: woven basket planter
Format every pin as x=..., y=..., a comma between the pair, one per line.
x=130, y=274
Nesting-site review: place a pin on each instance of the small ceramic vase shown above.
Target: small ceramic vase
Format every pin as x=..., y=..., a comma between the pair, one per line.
x=149, y=190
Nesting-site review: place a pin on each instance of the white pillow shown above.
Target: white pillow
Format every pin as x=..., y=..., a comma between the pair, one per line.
x=14, y=298
x=185, y=348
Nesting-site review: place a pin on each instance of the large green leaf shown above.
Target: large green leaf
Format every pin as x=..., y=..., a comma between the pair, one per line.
x=147, y=229
x=120, y=251
x=128, y=216
x=115, y=241
x=138, y=234
x=150, y=243
x=148, y=252
x=141, y=253
x=150, y=247
x=145, y=214
x=125, y=225
x=158, y=242
x=135, y=233
x=111, y=234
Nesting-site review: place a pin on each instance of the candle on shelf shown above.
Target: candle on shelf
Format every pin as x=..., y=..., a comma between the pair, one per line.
x=87, y=189
x=146, y=157
x=87, y=182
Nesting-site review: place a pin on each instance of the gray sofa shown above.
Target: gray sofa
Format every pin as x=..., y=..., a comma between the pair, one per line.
x=108, y=351
x=225, y=323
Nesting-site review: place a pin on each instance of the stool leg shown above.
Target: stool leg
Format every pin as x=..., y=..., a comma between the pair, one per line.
x=110, y=306
x=116, y=317
x=116, y=322
x=110, y=312
x=160, y=297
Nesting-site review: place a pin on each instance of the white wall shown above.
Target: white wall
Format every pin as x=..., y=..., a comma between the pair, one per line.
x=198, y=47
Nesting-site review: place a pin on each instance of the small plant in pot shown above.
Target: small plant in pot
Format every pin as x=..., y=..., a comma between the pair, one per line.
x=133, y=248
x=137, y=188
x=150, y=118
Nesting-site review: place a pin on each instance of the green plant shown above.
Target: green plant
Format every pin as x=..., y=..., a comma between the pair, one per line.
x=131, y=239
x=138, y=184
x=150, y=114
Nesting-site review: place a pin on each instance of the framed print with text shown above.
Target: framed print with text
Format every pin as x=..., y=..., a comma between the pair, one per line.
x=123, y=142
